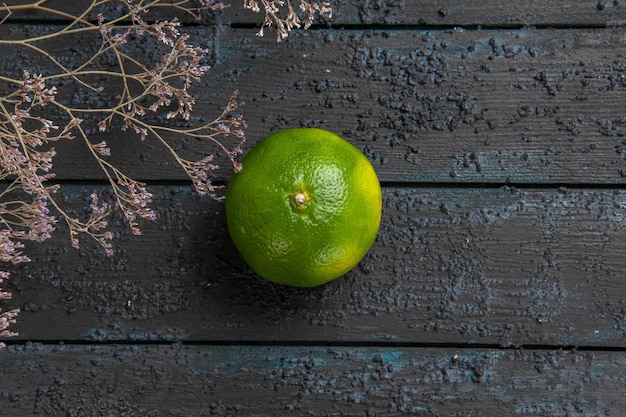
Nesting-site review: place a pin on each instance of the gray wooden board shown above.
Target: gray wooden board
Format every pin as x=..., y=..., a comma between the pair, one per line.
x=174, y=380
x=449, y=100
x=428, y=106
x=412, y=12
x=460, y=13
x=451, y=265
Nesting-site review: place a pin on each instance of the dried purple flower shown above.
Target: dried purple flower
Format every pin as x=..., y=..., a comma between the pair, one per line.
x=289, y=20
x=28, y=206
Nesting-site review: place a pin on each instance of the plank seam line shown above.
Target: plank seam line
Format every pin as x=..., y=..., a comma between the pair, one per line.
x=359, y=26
x=556, y=186
x=439, y=27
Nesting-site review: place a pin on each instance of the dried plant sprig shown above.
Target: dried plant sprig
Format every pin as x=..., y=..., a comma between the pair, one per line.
x=7, y=317
x=282, y=15
x=10, y=251
x=32, y=118
x=144, y=89
x=24, y=169
x=196, y=11
x=228, y=124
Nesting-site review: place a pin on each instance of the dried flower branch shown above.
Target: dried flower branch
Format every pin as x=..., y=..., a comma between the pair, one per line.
x=34, y=116
x=144, y=89
x=8, y=317
x=281, y=14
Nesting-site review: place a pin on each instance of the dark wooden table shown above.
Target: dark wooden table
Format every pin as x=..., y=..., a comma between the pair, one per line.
x=496, y=285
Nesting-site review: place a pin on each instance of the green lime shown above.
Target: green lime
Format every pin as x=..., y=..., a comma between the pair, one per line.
x=306, y=207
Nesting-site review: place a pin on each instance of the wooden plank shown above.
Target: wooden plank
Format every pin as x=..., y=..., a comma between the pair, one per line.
x=461, y=13
x=528, y=106
x=499, y=266
x=492, y=12
x=417, y=12
x=64, y=11
x=485, y=106
x=307, y=381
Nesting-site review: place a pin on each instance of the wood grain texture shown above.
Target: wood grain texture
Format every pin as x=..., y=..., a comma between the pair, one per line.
x=529, y=106
x=307, y=381
x=583, y=13
x=477, y=12
x=495, y=287
x=429, y=106
x=498, y=266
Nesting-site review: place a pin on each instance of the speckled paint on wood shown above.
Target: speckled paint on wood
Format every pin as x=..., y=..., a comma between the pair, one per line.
x=523, y=106
x=479, y=298
x=440, y=13
x=498, y=266
x=273, y=381
x=485, y=13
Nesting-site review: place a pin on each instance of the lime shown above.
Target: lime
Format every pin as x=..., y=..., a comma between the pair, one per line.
x=306, y=207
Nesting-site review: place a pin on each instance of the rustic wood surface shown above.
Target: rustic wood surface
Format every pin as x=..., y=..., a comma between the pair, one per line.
x=177, y=380
x=496, y=285
x=498, y=106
